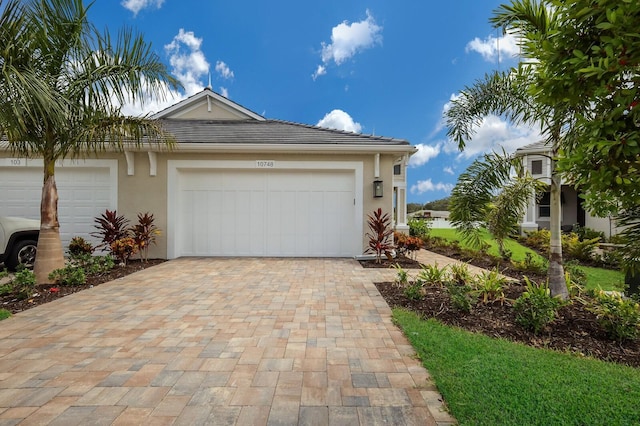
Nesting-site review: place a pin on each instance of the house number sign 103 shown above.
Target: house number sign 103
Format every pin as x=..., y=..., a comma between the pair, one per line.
x=265, y=164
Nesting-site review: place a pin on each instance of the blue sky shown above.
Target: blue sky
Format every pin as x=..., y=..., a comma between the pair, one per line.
x=375, y=67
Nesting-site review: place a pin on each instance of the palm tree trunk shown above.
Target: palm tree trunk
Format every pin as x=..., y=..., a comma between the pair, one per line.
x=49, y=256
x=557, y=283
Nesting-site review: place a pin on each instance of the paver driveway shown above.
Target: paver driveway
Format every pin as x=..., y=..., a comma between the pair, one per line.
x=217, y=341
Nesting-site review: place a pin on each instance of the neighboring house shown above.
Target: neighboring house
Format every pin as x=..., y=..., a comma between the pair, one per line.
x=235, y=184
x=537, y=159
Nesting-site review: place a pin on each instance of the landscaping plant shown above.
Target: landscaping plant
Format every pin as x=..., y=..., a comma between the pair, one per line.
x=69, y=275
x=23, y=283
x=110, y=227
x=144, y=234
x=433, y=275
x=380, y=241
x=80, y=246
x=123, y=249
x=536, y=308
x=489, y=286
x=618, y=316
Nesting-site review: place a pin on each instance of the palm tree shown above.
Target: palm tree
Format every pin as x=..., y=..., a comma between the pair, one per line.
x=62, y=85
x=512, y=94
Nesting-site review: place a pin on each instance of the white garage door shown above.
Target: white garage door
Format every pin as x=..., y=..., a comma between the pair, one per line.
x=85, y=190
x=266, y=213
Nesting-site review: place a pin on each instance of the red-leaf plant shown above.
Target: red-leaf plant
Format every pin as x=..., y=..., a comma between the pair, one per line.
x=144, y=234
x=110, y=227
x=380, y=241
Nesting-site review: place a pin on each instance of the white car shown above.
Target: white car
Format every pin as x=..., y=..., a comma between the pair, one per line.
x=18, y=241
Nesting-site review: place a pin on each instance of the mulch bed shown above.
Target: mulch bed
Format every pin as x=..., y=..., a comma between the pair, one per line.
x=574, y=330
x=48, y=292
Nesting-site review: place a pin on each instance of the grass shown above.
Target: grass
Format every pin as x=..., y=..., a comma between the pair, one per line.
x=597, y=278
x=486, y=381
x=4, y=314
x=518, y=250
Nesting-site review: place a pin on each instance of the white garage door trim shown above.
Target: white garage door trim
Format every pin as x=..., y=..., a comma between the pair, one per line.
x=173, y=196
x=34, y=168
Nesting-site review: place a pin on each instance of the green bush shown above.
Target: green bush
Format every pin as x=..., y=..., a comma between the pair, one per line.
x=531, y=265
x=574, y=248
x=585, y=233
x=461, y=296
x=535, y=308
x=460, y=273
x=23, y=283
x=402, y=277
x=433, y=275
x=4, y=314
x=537, y=240
x=415, y=290
x=489, y=286
x=419, y=228
x=69, y=275
x=80, y=246
x=93, y=265
x=618, y=316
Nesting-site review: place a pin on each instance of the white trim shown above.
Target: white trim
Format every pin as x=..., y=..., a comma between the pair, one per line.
x=376, y=166
x=153, y=163
x=173, y=167
x=189, y=104
x=297, y=148
x=131, y=164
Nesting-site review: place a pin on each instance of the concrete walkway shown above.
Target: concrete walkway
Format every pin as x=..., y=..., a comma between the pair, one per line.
x=217, y=341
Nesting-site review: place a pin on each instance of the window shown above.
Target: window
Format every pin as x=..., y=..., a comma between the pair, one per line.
x=536, y=167
x=397, y=169
x=544, y=205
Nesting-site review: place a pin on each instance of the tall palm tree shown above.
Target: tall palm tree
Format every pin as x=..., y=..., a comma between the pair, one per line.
x=65, y=83
x=512, y=94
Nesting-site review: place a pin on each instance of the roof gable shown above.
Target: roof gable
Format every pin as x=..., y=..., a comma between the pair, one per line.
x=207, y=105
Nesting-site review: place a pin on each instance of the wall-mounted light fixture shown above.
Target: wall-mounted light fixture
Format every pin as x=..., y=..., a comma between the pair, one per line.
x=377, y=188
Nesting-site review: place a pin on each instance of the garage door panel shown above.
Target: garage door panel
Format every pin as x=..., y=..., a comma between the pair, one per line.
x=84, y=193
x=269, y=213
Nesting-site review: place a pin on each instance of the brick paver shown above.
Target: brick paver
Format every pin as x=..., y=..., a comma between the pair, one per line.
x=217, y=341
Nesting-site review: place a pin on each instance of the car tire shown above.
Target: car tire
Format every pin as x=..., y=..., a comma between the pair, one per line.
x=24, y=252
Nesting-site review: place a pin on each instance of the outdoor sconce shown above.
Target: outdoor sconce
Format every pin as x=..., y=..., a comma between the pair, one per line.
x=377, y=188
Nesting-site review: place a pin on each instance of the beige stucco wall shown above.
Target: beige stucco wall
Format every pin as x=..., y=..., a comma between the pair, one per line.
x=141, y=193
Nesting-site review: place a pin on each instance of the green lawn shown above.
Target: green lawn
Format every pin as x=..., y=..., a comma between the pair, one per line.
x=487, y=381
x=597, y=278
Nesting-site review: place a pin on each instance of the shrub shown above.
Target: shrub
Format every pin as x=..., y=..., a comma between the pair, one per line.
x=576, y=274
x=144, y=234
x=110, y=227
x=419, y=228
x=530, y=264
x=380, y=235
x=123, y=249
x=574, y=248
x=415, y=290
x=461, y=297
x=93, y=265
x=407, y=245
x=69, y=275
x=585, y=233
x=79, y=246
x=618, y=316
x=535, y=308
x=23, y=283
x=489, y=286
x=432, y=275
x=537, y=240
x=4, y=314
x=460, y=273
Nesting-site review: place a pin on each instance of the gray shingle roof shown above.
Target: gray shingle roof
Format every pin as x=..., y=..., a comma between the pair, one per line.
x=267, y=132
x=541, y=146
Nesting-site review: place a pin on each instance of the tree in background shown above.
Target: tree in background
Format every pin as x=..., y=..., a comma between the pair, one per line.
x=592, y=66
x=61, y=86
x=513, y=94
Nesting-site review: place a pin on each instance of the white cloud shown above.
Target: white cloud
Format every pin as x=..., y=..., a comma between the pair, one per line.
x=340, y=120
x=224, y=92
x=322, y=70
x=492, y=48
x=188, y=62
x=448, y=170
x=495, y=134
x=347, y=40
x=136, y=6
x=223, y=70
x=423, y=186
x=424, y=154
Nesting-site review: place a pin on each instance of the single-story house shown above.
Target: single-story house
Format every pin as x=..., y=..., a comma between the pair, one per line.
x=536, y=158
x=235, y=184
